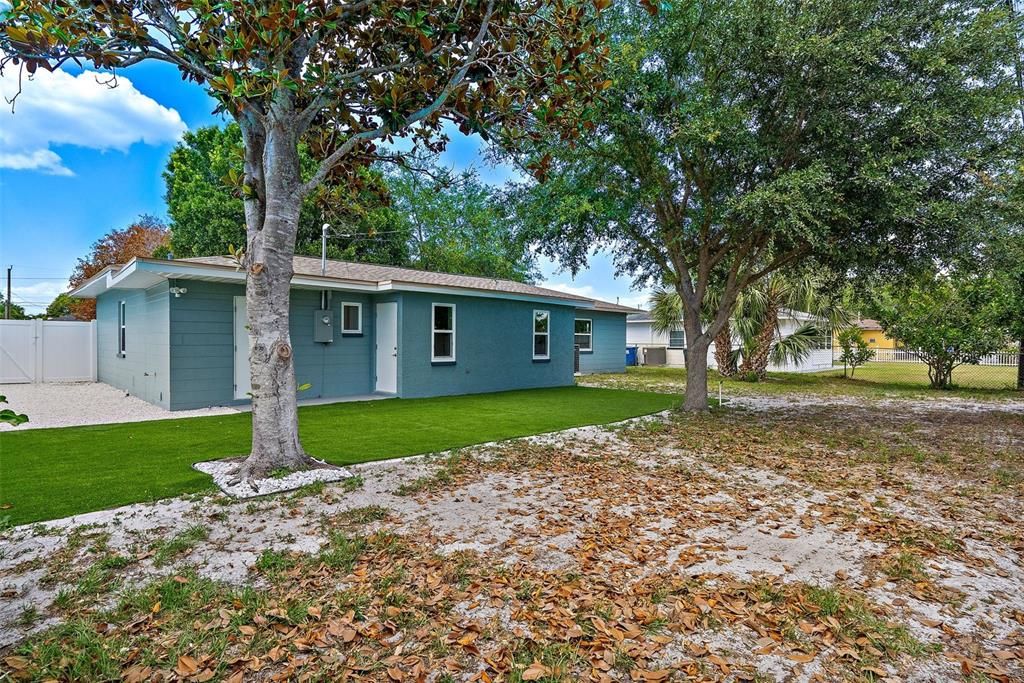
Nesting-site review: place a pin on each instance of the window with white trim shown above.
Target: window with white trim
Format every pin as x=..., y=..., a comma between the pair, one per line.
x=122, y=328
x=351, y=318
x=584, y=334
x=677, y=339
x=442, y=332
x=541, y=335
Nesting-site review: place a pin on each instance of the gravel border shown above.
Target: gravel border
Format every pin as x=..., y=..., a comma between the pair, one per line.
x=74, y=404
x=221, y=471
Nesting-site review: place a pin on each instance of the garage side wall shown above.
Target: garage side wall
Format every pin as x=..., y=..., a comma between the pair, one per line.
x=203, y=346
x=144, y=368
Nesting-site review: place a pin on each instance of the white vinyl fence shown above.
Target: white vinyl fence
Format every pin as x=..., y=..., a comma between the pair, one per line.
x=905, y=356
x=47, y=351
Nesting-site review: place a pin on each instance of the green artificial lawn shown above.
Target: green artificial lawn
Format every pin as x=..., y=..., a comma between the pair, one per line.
x=52, y=473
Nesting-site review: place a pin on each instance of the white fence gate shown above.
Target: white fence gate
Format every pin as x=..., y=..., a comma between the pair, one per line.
x=47, y=351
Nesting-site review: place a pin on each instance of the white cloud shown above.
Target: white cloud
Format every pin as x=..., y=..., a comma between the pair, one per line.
x=59, y=108
x=632, y=299
x=35, y=297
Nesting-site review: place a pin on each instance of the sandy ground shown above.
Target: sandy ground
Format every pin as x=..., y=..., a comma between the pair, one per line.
x=634, y=508
x=86, y=403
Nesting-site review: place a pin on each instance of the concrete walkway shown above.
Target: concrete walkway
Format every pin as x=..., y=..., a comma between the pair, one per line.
x=90, y=403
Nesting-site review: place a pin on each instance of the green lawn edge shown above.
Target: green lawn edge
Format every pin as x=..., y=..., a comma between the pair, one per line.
x=52, y=473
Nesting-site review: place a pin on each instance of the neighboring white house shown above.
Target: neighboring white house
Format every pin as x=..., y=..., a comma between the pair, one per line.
x=651, y=345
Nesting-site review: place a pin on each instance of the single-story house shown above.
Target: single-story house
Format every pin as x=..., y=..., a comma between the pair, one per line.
x=872, y=334
x=173, y=332
x=668, y=348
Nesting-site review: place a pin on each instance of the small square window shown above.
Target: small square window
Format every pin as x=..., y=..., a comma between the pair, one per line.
x=351, y=318
x=677, y=339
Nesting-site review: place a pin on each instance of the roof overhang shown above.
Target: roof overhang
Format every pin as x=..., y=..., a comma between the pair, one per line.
x=140, y=273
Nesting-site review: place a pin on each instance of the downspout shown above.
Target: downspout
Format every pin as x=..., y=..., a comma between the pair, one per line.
x=323, y=264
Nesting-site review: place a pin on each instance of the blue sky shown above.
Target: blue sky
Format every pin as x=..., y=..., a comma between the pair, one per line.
x=78, y=158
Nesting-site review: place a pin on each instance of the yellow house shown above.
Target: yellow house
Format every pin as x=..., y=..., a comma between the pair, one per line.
x=872, y=334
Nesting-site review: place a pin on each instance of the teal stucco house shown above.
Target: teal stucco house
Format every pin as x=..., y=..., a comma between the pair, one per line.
x=173, y=332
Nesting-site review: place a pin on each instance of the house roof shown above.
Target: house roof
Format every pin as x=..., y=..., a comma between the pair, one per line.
x=867, y=324
x=337, y=275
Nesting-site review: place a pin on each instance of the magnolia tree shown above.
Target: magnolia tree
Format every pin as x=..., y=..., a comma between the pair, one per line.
x=342, y=78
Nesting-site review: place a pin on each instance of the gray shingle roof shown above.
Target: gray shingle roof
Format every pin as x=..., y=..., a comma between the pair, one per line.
x=371, y=272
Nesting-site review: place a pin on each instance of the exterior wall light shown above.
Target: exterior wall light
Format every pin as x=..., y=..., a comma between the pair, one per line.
x=178, y=291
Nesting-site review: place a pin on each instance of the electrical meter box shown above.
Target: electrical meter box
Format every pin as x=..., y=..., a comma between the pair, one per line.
x=323, y=329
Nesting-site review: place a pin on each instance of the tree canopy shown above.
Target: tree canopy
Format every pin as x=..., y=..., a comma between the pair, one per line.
x=61, y=306
x=145, y=237
x=17, y=311
x=456, y=223
x=949, y=320
x=208, y=215
x=739, y=137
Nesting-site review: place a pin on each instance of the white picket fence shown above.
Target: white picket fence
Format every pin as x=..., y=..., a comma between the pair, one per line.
x=47, y=351
x=905, y=356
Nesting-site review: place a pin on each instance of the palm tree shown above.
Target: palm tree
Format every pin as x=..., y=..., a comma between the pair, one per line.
x=758, y=320
x=755, y=321
x=667, y=316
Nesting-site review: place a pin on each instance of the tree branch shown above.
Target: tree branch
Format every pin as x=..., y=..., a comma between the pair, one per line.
x=335, y=157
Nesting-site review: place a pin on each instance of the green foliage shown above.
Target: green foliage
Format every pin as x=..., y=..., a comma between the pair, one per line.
x=739, y=137
x=60, y=306
x=17, y=312
x=208, y=214
x=458, y=224
x=949, y=320
x=855, y=349
x=10, y=417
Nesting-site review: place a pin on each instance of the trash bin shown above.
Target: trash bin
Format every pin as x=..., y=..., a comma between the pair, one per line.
x=630, y=356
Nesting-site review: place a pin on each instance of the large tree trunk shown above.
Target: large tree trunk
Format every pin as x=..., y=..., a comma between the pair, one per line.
x=697, y=345
x=696, y=398
x=268, y=258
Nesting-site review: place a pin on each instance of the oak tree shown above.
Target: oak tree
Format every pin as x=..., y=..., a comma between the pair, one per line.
x=344, y=78
x=741, y=137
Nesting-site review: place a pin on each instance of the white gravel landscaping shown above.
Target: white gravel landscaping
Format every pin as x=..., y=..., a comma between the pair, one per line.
x=221, y=471
x=86, y=403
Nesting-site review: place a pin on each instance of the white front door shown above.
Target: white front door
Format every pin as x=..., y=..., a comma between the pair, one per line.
x=387, y=347
x=243, y=342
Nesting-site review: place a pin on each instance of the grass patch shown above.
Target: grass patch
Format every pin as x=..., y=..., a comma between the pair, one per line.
x=446, y=474
x=52, y=473
x=364, y=515
x=342, y=551
x=905, y=566
x=872, y=380
x=166, y=551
